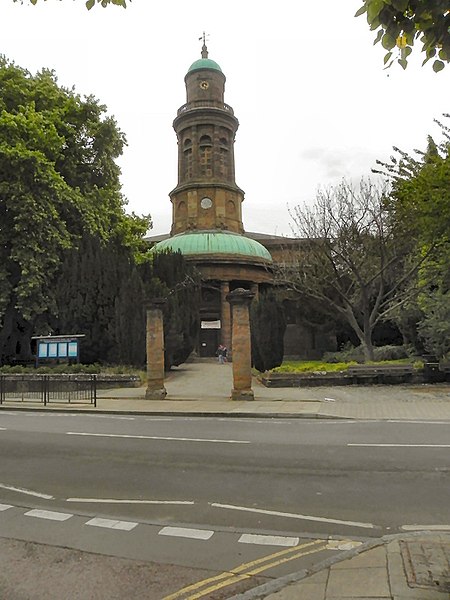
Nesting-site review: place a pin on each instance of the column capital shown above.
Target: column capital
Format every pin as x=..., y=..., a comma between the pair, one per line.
x=155, y=303
x=240, y=296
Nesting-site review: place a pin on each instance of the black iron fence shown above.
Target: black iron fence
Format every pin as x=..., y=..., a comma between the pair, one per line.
x=44, y=389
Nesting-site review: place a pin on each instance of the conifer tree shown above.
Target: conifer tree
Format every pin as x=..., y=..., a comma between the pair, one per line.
x=268, y=324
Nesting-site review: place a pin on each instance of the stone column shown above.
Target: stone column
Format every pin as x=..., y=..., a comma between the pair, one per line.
x=254, y=288
x=225, y=317
x=155, y=351
x=240, y=300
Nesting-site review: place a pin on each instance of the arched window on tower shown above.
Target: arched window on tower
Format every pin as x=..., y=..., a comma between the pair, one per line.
x=187, y=159
x=205, y=155
x=224, y=168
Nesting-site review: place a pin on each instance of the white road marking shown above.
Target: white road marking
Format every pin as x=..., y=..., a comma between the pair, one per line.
x=3, y=429
x=5, y=507
x=155, y=437
x=342, y=544
x=111, y=524
x=401, y=445
x=109, y=417
x=293, y=515
x=48, y=514
x=24, y=491
x=422, y=422
x=125, y=501
x=268, y=540
x=425, y=527
x=184, y=532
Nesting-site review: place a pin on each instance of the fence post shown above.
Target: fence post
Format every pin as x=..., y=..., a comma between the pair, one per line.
x=45, y=388
x=1, y=389
x=94, y=383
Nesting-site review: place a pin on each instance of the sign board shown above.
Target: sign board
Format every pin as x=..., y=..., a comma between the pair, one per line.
x=210, y=324
x=63, y=347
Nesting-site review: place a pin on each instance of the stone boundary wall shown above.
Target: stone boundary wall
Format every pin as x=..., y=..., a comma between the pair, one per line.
x=280, y=380
x=30, y=382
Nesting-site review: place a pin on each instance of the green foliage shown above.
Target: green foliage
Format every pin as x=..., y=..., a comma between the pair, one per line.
x=420, y=203
x=356, y=354
x=435, y=326
x=58, y=182
x=399, y=23
x=89, y=3
x=181, y=315
x=315, y=366
x=268, y=324
x=312, y=366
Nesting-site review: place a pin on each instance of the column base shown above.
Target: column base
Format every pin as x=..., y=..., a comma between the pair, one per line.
x=242, y=395
x=156, y=394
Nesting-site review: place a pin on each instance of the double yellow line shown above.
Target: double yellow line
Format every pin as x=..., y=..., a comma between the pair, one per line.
x=245, y=571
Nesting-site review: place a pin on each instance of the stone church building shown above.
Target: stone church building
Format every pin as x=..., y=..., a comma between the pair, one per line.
x=207, y=225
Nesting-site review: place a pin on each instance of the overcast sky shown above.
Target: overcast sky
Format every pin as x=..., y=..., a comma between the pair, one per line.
x=306, y=83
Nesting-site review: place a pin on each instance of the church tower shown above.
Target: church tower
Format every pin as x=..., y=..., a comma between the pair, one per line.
x=206, y=196
x=207, y=204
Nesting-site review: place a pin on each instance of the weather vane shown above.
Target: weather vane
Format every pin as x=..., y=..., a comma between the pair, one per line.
x=204, y=37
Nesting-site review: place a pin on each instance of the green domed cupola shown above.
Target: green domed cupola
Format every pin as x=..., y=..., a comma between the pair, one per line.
x=204, y=63
x=220, y=244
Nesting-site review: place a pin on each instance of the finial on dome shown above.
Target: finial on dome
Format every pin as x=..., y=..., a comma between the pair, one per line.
x=204, y=48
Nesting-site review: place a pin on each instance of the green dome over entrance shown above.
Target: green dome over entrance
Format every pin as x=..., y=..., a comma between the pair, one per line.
x=209, y=243
x=204, y=63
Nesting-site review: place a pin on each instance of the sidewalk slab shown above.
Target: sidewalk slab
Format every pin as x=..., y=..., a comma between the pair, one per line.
x=358, y=582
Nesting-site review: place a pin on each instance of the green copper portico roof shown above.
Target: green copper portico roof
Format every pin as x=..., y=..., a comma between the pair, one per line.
x=209, y=243
x=204, y=63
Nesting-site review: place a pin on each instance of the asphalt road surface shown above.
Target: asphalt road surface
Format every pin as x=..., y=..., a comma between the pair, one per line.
x=218, y=494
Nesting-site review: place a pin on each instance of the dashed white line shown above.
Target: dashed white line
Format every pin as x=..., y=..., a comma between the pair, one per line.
x=128, y=501
x=425, y=527
x=293, y=515
x=184, y=532
x=25, y=491
x=5, y=507
x=268, y=540
x=48, y=514
x=111, y=524
x=3, y=429
x=154, y=437
x=401, y=445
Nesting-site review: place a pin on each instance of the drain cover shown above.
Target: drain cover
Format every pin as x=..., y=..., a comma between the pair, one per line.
x=427, y=564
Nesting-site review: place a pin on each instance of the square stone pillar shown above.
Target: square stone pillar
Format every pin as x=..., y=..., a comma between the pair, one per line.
x=155, y=351
x=225, y=317
x=240, y=300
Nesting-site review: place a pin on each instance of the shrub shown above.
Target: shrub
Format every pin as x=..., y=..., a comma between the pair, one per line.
x=350, y=353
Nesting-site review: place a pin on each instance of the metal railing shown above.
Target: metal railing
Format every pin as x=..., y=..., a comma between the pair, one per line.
x=205, y=104
x=44, y=389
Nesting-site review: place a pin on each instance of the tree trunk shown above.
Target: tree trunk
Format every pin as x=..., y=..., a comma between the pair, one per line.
x=367, y=342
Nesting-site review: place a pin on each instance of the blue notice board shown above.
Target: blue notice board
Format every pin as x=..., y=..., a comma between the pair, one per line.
x=58, y=348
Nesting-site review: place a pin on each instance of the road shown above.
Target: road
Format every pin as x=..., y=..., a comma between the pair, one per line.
x=212, y=493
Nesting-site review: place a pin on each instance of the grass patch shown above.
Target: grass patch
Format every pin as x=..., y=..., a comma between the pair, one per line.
x=317, y=366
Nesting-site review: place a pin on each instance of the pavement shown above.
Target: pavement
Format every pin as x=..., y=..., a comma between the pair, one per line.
x=410, y=566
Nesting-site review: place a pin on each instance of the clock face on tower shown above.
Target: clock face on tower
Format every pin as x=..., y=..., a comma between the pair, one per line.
x=206, y=203
x=204, y=85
